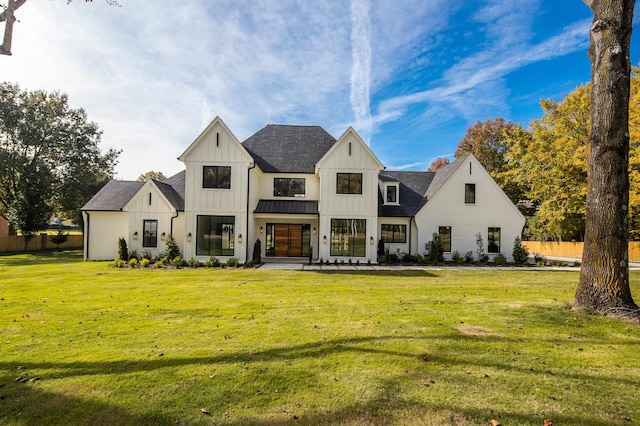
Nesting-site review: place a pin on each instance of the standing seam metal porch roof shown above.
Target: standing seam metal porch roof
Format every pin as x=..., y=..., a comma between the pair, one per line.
x=287, y=207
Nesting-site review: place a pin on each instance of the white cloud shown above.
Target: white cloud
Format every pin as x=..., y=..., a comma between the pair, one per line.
x=361, y=67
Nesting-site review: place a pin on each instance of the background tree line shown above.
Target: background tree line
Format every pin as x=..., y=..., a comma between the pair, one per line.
x=543, y=168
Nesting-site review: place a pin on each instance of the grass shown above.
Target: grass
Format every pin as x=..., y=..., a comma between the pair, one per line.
x=117, y=346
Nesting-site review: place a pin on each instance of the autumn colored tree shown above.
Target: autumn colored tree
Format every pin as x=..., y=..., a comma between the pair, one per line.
x=604, y=276
x=489, y=142
x=151, y=175
x=438, y=163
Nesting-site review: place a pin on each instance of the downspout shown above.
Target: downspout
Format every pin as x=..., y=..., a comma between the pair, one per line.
x=246, y=238
x=86, y=231
x=173, y=217
x=410, y=229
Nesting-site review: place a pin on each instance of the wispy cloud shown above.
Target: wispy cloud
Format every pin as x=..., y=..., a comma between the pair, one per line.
x=361, y=67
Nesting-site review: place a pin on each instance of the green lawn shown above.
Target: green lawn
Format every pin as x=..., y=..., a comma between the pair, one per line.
x=99, y=345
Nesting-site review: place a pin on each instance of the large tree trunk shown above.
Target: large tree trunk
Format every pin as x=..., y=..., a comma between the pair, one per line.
x=604, y=278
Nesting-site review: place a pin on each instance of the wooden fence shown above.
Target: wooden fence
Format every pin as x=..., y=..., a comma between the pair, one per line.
x=572, y=249
x=13, y=243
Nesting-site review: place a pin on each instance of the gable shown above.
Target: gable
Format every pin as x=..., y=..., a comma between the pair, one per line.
x=113, y=196
x=155, y=195
x=216, y=143
x=350, y=152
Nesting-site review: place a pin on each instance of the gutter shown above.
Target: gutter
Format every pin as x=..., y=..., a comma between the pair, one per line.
x=246, y=238
x=173, y=217
x=86, y=232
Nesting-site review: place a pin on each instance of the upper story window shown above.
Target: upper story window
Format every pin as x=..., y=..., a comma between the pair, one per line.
x=470, y=193
x=150, y=233
x=392, y=194
x=218, y=177
x=349, y=183
x=288, y=187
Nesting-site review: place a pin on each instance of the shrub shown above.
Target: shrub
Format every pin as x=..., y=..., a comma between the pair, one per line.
x=257, y=250
x=500, y=259
x=133, y=254
x=119, y=263
x=193, y=262
x=468, y=256
x=539, y=259
x=144, y=262
x=520, y=252
x=482, y=257
x=159, y=264
x=232, y=262
x=146, y=254
x=133, y=262
x=457, y=257
x=60, y=238
x=163, y=260
x=173, y=250
x=212, y=262
x=310, y=254
x=123, y=254
x=178, y=261
x=436, y=253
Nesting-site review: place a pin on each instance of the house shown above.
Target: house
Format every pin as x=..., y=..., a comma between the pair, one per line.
x=300, y=192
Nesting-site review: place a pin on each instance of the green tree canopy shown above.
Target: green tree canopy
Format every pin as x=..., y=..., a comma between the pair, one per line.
x=49, y=156
x=151, y=175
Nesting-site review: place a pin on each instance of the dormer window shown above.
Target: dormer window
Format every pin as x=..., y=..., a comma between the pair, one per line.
x=392, y=194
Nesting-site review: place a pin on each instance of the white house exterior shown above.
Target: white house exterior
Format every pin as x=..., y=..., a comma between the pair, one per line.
x=300, y=191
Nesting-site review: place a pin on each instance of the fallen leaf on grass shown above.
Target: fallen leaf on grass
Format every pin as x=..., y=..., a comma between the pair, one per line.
x=35, y=379
x=623, y=417
x=548, y=422
x=205, y=411
x=495, y=423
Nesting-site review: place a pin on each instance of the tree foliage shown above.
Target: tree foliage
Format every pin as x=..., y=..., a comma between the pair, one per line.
x=151, y=175
x=50, y=158
x=438, y=163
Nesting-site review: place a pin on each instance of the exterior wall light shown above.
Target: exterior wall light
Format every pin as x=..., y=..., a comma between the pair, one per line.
x=371, y=240
x=324, y=240
x=189, y=237
x=240, y=239
x=315, y=231
x=135, y=235
x=163, y=236
x=261, y=229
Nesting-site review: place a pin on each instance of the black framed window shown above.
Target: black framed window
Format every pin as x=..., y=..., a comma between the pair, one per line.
x=217, y=177
x=470, y=193
x=394, y=233
x=288, y=187
x=349, y=183
x=215, y=236
x=392, y=194
x=348, y=237
x=493, y=240
x=150, y=233
x=445, y=237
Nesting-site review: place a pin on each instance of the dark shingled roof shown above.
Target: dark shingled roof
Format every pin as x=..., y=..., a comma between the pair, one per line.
x=416, y=188
x=113, y=196
x=117, y=193
x=289, y=149
x=412, y=189
x=287, y=207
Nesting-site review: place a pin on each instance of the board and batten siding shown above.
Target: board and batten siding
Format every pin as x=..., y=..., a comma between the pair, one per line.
x=349, y=155
x=492, y=208
x=101, y=241
x=216, y=146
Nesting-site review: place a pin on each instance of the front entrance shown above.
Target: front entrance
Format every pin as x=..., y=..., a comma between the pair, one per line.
x=288, y=239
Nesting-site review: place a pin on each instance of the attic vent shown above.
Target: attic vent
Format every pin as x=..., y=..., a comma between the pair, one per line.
x=217, y=139
x=469, y=167
x=149, y=198
x=349, y=148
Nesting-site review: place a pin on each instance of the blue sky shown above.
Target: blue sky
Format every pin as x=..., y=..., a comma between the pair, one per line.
x=410, y=76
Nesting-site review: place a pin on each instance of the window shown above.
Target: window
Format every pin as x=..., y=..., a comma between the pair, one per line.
x=349, y=183
x=348, y=237
x=470, y=193
x=218, y=177
x=150, y=233
x=394, y=233
x=493, y=240
x=215, y=235
x=445, y=237
x=288, y=187
x=392, y=194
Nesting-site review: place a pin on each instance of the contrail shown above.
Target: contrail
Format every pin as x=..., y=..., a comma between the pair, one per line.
x=361, y=68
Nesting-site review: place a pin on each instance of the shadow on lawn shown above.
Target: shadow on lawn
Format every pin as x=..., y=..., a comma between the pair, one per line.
x=40, y=258
x=375, y=273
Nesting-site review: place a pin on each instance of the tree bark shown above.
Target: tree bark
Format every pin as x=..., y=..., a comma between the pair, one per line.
x=604, y=277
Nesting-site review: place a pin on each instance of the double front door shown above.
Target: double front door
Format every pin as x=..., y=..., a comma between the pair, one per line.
x=288, y=239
